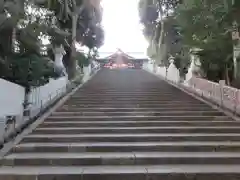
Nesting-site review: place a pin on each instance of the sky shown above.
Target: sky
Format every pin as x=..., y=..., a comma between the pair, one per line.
x=122, y=27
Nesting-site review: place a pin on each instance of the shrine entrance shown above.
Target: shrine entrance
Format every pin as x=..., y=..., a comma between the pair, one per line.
x=120, y=57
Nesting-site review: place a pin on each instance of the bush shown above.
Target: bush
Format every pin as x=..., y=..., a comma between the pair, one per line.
x=82, y=60
x=182, y=64
x=27, y=70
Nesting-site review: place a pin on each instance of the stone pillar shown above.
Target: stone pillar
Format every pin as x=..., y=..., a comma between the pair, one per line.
x=194, y=67
x=59, y=52
x=173, y=72
x=236, y=54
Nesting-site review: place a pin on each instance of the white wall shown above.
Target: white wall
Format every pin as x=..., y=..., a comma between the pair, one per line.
x=40, y=96
x=87, y=73
x=194, y=66
x=172, y=72
x=162, y=71
x=12, y=95
x=11, y=98
x=11, y=103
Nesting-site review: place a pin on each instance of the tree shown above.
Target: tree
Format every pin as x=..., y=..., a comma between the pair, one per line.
x=154, y=15
x=82, y=60
x=21, y=29
x=207, y=25
x=201, y=24
x=75, y=16
x=11, y=11
x=93, y=39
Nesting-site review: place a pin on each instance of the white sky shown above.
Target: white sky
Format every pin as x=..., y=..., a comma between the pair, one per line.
x=122, y=27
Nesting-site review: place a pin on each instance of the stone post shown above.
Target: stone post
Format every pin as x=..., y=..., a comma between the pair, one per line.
x=59, y=52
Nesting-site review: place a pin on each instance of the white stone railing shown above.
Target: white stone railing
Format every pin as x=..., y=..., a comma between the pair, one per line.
x=218, y=93
x=171, y=73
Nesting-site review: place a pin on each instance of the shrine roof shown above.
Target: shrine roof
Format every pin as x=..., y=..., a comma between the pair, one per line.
x=129, y=55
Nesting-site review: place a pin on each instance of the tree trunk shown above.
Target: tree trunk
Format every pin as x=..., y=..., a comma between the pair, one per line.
x=162, y=30
x=72, y=61
x=161, y=35
x=227, y=79
x=26, y=103
x=89, y=53
x=6, y=41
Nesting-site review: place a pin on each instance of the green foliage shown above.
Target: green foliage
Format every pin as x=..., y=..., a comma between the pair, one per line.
x=160, y=28
x=215, y=64
x=11, y=11
x=27, y=70
x=148, y=14
x=24, y=23
x=207, y=25
x=82, y=59
x=172, y=38
x=82, y=20
x=182, y=64
x=94, y=37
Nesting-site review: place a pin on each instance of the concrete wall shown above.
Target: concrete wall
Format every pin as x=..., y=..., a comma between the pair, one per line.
x=11, y=104
x=86, y=72
x=11, y=98
x=171, y=74
x=41, y=96
x=12, y=95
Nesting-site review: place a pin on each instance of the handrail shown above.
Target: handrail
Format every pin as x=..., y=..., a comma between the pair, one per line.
x=223, y=95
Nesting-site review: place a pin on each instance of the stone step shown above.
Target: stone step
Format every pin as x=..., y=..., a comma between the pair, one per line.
x=102, y=123
x=132, y=172
x=194, y=146
x=75, y=109
x=146, y=113
x=128, y=89
x=134, y=102
x=134, y=91
x=138, y=118
x=136, y=98
x=118, y=87
x=122, y=126
x=120, y=100
x=130, y=158
x=134, y=129
x=141, y=94
x=133, y=96
x=130, y=137
x=131, y=105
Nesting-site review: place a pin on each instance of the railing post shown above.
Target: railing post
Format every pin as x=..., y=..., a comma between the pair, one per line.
x=236, y=101
x=50, y=97
x=166, y=76
x=41, y=105
x=222, y=84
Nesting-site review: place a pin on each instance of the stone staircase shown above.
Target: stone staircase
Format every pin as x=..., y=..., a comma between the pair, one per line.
x=128, y=125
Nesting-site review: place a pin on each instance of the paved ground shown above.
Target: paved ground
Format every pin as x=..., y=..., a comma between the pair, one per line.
x=128, y=125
